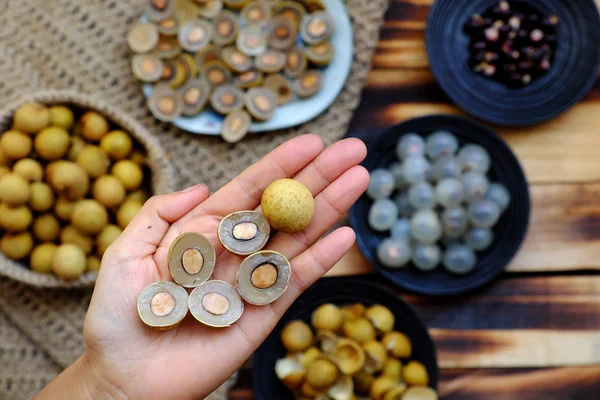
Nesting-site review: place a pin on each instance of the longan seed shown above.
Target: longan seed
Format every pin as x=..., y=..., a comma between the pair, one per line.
x=215, y=303
x=192, y=261
x=162, y=304
x=264, y=276
x=245, y=231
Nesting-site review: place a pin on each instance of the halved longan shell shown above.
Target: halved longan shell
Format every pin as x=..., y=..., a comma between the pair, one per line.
x=235, y=306
x=191, y=241
x=173, y=318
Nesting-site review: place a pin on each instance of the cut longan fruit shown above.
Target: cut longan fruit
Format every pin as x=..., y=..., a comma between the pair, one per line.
x=108, y=191
x=15, y=145
x=15, y=218
x=16, y=246
x=42, y=197
x=117, y=144
x=127, y=212
x=52, y=143
x=89, y=217
x=29, y=169
x=46, y=228
x=62, y=117
x=31, y=118
x=70, y=234
x=106, y=237
x=93, y=126
x=14, y=189
x=41, y=258
x=69, y=261
x=93, y=160
x=129, y=173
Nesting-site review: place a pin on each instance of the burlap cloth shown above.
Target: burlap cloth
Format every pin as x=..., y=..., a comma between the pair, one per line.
x=80, y=45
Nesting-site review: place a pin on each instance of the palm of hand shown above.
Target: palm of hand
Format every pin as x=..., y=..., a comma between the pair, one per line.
x=191, y=360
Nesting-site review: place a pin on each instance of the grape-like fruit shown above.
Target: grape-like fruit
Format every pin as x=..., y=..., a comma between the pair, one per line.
x=403, y=204
x=473, y=157
x=498, y=194
x=401, y=229
x=383, y=215
x=475, y=185
x=394, y=252
x=447, y=167
x=455, y=222
x=459, y=259
x=398, y=172
x=425, y=227
x=382, y=184
x=479, y=239
x=416, y=169
x=409, y=145
x=421, y=196
x=426, y=257
x=440, y=144
x=484, y=213
x=449, y=192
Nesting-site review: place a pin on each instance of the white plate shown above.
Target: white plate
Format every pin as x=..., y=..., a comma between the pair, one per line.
x=297, y=111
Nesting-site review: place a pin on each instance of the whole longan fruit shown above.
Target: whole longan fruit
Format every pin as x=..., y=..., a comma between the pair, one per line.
x=127, y=212
x=92, y=263
x=93, y=160
x=89, y=217
x=42, y=197
x=93, y=126
x=138, y=157
x=117, y=144
x=77, y=144
x=46, y=228
x=109, y=234
x=62, y=117
x=16, y=246
x=52, y=143
x=297, y=336
x=14, y=189
x=109, y=191
x=15, y=145
x=29, y=169
x=64, y=208
x=69, y=261
x=71, y=235
x=68, y=179
x=288, y=205
x=31, y=118
x=129, y=173
x=138, y=195
x=4, y=170
x=415, y=373
x=4, y=162
x=41, y=258
x=15, y=218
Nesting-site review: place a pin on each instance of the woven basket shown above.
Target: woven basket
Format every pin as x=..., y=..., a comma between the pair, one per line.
x=162, y=172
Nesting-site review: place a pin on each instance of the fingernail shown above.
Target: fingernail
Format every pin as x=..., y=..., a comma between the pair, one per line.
x=192, y=188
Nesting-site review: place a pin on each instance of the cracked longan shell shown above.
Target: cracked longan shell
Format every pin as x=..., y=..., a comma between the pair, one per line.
x=15, y=218
x=108, y=191
x=31, y=118
x=14, y=189
x=16, y=246
x=46, y=228
x=41, y=258
x=15, y=145
x=89, y=217
x=70, y=234
x=69, y=261
x=106, y=237
x=93, y=160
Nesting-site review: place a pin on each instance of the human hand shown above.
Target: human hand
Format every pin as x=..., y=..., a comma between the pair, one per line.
x=128, y=359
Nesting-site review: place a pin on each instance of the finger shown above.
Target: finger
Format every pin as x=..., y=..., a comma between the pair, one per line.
x=245, y=191
x=330, y=206
x=145, y=232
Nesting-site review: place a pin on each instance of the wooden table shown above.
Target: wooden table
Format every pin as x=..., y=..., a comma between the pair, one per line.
x=534, y=333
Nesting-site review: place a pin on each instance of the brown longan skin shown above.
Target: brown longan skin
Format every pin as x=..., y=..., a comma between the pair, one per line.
x=93, y=126
x=14, y=189
x=16, y=246
x=46, y=228
x=52, y=143
x=31, y=118
x=70, y=234
x=108, y=191
x=89, y=217
x=15, y=218
x=29, y=169
x=42, y=197
x=106, y=237
x=69, y=261
x=15, y=145
x=117, y=144
x=93, y=160
x=41, y=258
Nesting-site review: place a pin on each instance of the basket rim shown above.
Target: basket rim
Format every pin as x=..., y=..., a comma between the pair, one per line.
x=158, y=162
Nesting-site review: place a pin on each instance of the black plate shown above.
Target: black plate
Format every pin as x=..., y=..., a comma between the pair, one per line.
x=509, y=232
x=572, y=75
x=339, y=291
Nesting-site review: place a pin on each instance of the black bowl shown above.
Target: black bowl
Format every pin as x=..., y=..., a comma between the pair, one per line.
x=509, y=232
x=572, y=75
x=339, y=291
